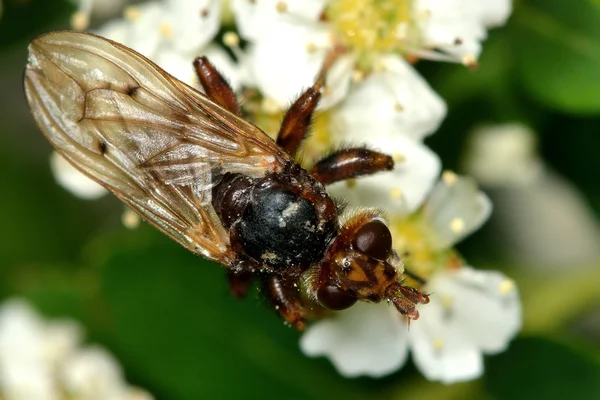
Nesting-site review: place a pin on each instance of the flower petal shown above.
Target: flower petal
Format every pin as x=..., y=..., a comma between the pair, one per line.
x=256, y=18
x=394, y=101
x=455, y=208
x=93, y=373
x=367, y=339
x=398, y=192
x=493, y=13
x=456, y=364
x=471, y=312
x=193, y=24
x=504, y=155
x=454, y=27
x=73, y=180
x=487, y=306
x=300, y=52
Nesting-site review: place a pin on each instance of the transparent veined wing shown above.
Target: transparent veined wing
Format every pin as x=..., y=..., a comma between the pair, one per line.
x=155, y=142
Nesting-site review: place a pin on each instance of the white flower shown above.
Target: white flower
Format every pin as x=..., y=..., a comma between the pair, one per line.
x=470, y=312
x=172, y=33
x=454, y=209
x=391, y=110
x=397, y=192
x=504, y=155
x=476, y=313
x=453, y=30
x=393, y=100
x=41, y=360
x=73, y=180
x=80, y=20
x=367, y=339
x=92, y=373
x=290, y=38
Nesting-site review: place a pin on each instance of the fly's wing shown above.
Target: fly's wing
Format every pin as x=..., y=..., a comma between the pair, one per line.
x=155, y=142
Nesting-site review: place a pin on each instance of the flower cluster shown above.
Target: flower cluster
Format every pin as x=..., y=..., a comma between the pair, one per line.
x=42, y=360
x=372, y=95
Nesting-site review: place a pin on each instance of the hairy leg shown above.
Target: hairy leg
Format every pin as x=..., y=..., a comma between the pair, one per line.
x=297, y=120
x=350, y=163
x=285, y=298
x=215, y=85
x=239, y=283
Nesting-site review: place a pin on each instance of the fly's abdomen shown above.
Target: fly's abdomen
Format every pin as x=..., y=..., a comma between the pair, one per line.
x=281, y=229
x=271, y=224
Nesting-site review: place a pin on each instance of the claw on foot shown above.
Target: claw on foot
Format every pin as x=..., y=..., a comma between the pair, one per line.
x=406, y=299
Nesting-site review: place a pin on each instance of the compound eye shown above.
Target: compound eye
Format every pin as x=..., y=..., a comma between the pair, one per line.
x=334, y=298
x=374, y=239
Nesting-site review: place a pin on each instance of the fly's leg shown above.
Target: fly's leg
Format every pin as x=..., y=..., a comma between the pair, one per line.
x=239, y=282
x=285, y=297
x=297, y=120
x=215, y=85
x=350, y=163
x=406, y=299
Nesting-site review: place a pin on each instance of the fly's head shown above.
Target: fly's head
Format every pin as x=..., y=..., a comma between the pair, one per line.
x=361, y=264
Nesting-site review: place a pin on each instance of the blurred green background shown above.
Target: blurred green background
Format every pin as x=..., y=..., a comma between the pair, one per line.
x=167, y=314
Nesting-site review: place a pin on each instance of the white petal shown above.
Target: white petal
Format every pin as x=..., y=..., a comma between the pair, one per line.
x=398, y=192
x=74, y=181
x=117, y=30
x=367, y=339
x=93, y=373
x=454, y=27
x=25, y=372
x=255, y=18
x=471, y=312
x=394, y=101
x=504, y=155
x=193, y=23
x=61, y=339
x=455, y=208
x=486, y=305
x=178, y=64
x=104, y=8
x=493, y=13
x=285, y=63
x=456, y=364
x=144, y=28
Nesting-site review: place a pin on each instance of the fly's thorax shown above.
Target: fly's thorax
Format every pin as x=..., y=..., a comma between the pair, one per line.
x=282, y=220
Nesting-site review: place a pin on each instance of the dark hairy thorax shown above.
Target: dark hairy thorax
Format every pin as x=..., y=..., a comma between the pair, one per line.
x=282, y=220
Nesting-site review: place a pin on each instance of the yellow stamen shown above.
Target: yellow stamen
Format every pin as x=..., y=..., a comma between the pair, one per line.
x=399, y=158
x=80, y=21
x=130, y=219
x=457, y=225
x=165, y=30
x=369, y=26
x=447, y=301
x=281, y=7
x=506, y=286
x=449, y=178
x=396, y=193
x=231, y=39
x=132, y=13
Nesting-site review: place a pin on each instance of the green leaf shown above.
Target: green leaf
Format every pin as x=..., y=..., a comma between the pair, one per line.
x=557, y=51
x=173, y=324
x=539, y=368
